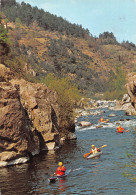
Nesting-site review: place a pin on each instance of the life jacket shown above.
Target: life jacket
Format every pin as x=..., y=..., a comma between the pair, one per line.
x=120, y=130
x=101, y=120
x=95, y=150
x=60, y=171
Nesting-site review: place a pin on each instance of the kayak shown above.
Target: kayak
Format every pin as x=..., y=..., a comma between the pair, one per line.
x=119, y=131
x=54, y=178
x=94, y=155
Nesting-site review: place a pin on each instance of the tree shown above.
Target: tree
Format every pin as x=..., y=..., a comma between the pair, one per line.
x=4, y=49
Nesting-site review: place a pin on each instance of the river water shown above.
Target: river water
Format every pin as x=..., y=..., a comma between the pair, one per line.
x=110, y=174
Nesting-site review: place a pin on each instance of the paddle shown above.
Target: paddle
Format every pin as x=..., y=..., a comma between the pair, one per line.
x=85, y=155
x=127, y=130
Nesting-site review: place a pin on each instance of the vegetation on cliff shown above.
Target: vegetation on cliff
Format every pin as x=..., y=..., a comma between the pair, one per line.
x=28, y=14
x=67, y=96
x=42, y=43
x=4, y=48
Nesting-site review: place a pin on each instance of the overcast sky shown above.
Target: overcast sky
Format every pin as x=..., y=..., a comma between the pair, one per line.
x=117, y=16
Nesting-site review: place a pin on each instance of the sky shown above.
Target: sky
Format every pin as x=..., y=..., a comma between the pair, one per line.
x=117, y=16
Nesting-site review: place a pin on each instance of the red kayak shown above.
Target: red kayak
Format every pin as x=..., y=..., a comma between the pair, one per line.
x=54, y=178
x=119, y=131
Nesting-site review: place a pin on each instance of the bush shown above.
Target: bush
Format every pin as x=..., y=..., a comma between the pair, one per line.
x=68, y=95
x=116, y=87
x=66, y=91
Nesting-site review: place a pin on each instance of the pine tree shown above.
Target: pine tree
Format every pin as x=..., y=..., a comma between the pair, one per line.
x=4, y=49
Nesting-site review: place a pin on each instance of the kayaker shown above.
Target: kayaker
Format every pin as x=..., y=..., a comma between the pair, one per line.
x=101, y=119
x=120, y=129
x=60, y=170
x=94, y=150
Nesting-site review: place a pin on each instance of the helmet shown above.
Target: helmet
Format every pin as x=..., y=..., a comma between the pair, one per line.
x=93, y=145
x=60, y=163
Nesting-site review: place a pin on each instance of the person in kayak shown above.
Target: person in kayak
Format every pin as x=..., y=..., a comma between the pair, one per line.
x=94, y=150
x=60, y=170
x=120, y=129
x=101, y=119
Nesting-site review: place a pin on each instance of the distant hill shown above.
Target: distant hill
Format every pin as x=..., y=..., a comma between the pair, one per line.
x=42, y=43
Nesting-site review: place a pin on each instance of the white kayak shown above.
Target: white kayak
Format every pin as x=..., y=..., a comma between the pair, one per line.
x=94, y=155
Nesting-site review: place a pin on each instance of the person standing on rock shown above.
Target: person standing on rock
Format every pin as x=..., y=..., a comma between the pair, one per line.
x=60, y=170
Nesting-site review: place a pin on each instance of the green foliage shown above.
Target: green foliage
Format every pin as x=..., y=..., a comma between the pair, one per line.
x=108, y=38
x=8, y=3
x=4, y=48
x=67, y=93
x=129, y=155
x=116, y=87
x=3, y=32
x=47, y=21
x=128, y=45
x=63, y=56
x=18, y=22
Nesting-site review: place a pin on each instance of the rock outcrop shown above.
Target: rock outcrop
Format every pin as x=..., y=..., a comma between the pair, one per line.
x=40, y=105
x=29, y=120
x=131, y=88
x=85, y=123
x=5, y=74
x=128, y=103
x=16, y=138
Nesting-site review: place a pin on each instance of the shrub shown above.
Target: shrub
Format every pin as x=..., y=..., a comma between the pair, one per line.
x=68, y=95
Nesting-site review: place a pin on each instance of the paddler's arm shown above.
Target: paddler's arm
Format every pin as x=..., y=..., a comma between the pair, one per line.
x=91, y=152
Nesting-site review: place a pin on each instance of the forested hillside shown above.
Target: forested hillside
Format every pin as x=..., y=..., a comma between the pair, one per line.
x=39, y=43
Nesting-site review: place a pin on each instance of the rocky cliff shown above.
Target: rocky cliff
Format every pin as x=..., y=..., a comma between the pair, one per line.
x=29, y=120
x=131, y=88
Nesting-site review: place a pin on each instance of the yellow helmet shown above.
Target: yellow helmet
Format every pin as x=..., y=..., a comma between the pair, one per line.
x=60, y=163
x=93, y=145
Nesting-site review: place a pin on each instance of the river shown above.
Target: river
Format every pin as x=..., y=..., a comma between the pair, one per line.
x=113, y=173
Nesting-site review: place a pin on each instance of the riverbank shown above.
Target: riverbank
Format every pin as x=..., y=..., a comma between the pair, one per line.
x=113, y=170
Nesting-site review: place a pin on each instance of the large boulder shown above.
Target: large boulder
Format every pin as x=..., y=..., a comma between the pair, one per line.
x=29, y=120
x=131, y=88
x=128, y=103
x=85, y=123
x=5, y=73
x=40, y=105
x=17, y=140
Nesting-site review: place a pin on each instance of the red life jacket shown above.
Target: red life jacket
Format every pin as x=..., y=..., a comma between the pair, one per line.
x=60, y=170
x=120, y=130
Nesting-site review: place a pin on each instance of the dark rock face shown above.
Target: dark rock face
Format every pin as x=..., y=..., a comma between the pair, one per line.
x=29, y=120
x=15, y=135
x=40, y=105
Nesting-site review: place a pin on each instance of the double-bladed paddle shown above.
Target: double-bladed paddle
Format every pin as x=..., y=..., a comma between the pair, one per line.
x=85, y=155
